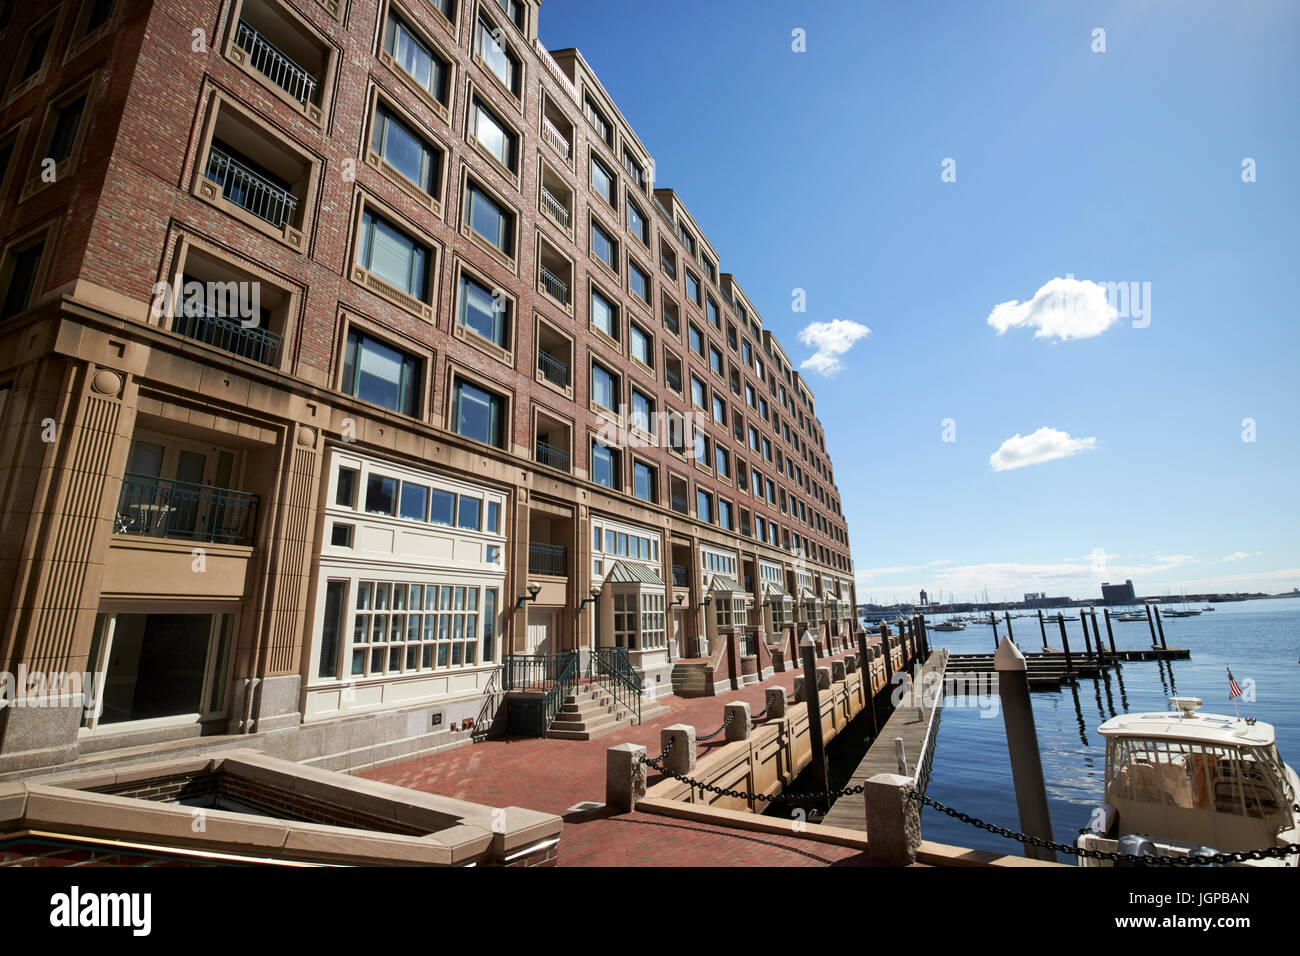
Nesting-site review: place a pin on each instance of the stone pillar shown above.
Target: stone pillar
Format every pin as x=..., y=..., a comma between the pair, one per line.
x=738, y=729
x=797, y=693
x=625, y=777
x=823, y=678
x=776, y=701
x=893, y=820
x=850, y=664
x=837, y=670
x=681, y=757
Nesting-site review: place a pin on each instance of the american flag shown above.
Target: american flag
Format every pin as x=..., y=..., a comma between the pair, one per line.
x=1234, y=689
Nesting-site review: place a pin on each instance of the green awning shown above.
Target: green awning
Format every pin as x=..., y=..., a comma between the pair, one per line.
x=627, y=572
x=721, y=582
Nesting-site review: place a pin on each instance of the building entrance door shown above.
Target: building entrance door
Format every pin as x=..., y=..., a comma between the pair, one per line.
x=540, y=632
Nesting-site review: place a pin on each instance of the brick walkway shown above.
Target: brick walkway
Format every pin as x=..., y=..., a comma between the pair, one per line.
x=554, y=775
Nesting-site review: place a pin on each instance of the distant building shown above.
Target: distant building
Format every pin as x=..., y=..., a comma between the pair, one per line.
x=1035, y=596
x=924, y=599
x=1118, y=593
x=1041, y=599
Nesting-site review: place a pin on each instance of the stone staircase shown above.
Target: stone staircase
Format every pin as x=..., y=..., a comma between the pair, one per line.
x=591, y=712
x=691, y=679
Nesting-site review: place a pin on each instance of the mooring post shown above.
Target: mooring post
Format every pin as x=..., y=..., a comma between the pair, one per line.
x=925, y=638
x=900, y=754
x=1007, y=614
x=1087, y=642
x=1042, y=627
x=1065, y=643
x=866, y=682
x=1110, y=634
x=889, y=657
x=994, y=621
x=812, y=694
x=1022, y=744
x=1151, y=623
x=1161, y=628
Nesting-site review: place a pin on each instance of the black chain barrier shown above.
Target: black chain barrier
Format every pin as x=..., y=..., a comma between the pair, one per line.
x=1212, y=859
x=761, y=714
x=725, y=724
x=657, y=764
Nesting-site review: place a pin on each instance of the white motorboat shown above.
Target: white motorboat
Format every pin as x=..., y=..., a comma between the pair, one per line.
x=1191, y=783
x=950, y=626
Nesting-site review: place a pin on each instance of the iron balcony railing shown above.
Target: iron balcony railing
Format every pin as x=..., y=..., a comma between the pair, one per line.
x=231, y=335
x=162, y=508
x=554, y=208
x=681, y=573
x=553, y=285
x=551, y=133
x=555, y=371
x=674, y=380
x=663, y=211
x=671, y=323
x=669, y=267
x=250, y=190
x=551, y=456
x=552, y=559
x=267, y=59
x=679, y=504
x=554, y=69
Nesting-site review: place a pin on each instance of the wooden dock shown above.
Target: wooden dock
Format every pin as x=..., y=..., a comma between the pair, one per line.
x=918, y=734
x=1049, y=669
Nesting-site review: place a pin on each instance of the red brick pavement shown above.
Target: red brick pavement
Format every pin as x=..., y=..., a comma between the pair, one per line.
x=554, y=775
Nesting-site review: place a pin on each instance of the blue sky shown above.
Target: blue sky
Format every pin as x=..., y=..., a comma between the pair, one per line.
x=821, y=171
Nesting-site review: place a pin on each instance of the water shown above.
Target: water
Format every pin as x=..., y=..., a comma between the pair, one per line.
x=1259, y=640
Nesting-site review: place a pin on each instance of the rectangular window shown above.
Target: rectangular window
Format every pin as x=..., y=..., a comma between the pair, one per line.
x=391, y=255
x=719, y=410
x=414, y=502
x=697, y=341
x=715, y=359
x=381, y=495
x=692, y=287
x=489, y=218
x=604, y=315
x=699, y=393
x=493, y=135
x=642, y=411
x=332, y=628
x=604, y=387
x=377, y=373
x=468, y=512
x=405, y=150
x=704, y=506
x=604, y=466
x=66, y=122
x=426, y=67
x=496, y=55
x=442, y=507
x=345, y=489
x=483, y=312
x=645, y=482
x=478, y=414
x=722, y=462
x=604, y=246
x=724, y=514
x=639, y=344
x=638, y=282
x=637, y=224
x=602, y=180
x=597, y=119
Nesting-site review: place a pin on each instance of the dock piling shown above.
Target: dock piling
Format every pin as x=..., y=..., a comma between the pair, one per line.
x=812, y=693
x=1009, y=634
x=1065, y=643
x=1161, y=628
x=865, y=667
x=1042, y=627
x=1022, y=745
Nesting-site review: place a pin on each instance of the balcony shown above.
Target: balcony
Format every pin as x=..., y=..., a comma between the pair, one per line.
x=679, y=504
x=555, y=371
x=277, y=67
x=250, y=190
x=551, y=456
x=550, y=559
x=557, y=140
x=230, y=335
x=553, y=285
x=668, y=265
x=162, y=508
x=556, y=209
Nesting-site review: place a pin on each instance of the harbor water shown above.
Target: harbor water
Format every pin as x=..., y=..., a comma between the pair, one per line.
x=1258, y=640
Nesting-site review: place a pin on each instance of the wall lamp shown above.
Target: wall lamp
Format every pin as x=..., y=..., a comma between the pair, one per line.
x=708, y=599
x=533, y=590
x=595, y=596
x=679, y=600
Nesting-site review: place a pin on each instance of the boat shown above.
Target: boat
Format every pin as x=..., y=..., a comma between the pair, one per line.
x=1208, y=607
x=1184, y=783
x=1130, y=616
x=950, y=626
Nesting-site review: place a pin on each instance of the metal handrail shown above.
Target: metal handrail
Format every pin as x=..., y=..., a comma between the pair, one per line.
x=556, y=372
x=551, y=133
x=230, y=335
x=552, y=206
x=265, y=57
x=551, y=456
x=553, y=285
x=566, y=683
x=164, y=508
x=670, y=269
x=551, y=559
x=611, y=668
x=250, y=190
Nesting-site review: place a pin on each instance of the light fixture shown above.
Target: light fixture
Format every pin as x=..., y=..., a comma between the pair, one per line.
x=595, y=596
x=534, y=589
x=708, y=599
x=679, y=600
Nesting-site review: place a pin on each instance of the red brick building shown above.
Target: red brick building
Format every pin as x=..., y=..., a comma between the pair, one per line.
x=346, y=347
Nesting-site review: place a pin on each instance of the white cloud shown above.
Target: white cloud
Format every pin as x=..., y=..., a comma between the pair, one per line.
x=831, y=340
x=1046, y=444
x=1238, y=555
x=1062, y=309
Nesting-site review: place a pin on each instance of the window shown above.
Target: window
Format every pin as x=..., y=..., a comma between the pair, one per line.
x=419, y=61
x=32, y=52
x=715, y=359
x=24, y=266
x=645, y=481
x=604, y=315
x=638, y=280
x=603, y=181
x=97, y=13
x=493, y=135
x=486, y=217
x=711, y=308
x=67, y=120
x=641, y=346
x=380, y=374
x=514, y=10
x=719, y=410
x=709, y=268
x=702, y=446
x=643, y=409
x=389, y=254
x=724, y=513
x=400, y=627
x=597, y=119
x=671, y=322
x=484, y=313
x=704, y=506
x=604, y=465
x=697, y=341
x=699, y=393
x=604, y=246
x=405, y=150
x=637, y=223
x=687, y=239
x=722, y=462
x=497, y=56
x=478, y=414
x=604, y=387
x=345, y=489
x=693, y=287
